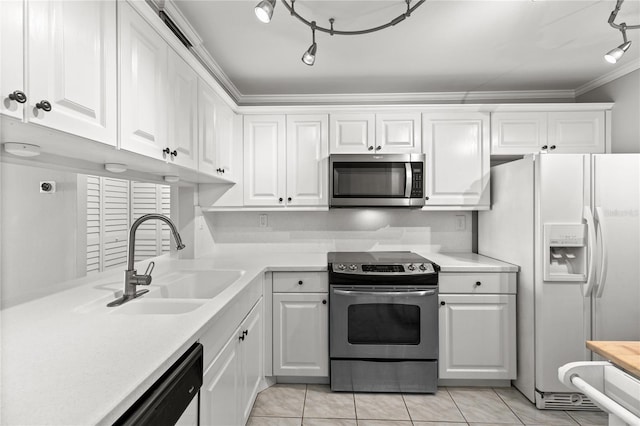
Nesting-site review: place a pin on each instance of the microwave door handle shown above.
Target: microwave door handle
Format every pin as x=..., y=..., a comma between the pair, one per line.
x=385, y=293
x=408, y=181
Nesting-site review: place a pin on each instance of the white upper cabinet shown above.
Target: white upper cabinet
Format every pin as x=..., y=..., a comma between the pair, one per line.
x=70, y=54
x=264, y=160
x=216, y=151
x=12, y=88
x=307, y=160
x=285, y=160
x=520, y=133
x=457, y=165
x=182, y=109
x=577, y=132
x=398, y=133
x=387, y=133
x=143, y=81
x=352, y=133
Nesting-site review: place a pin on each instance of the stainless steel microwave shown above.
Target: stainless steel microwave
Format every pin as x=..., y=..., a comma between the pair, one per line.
x=377, y=180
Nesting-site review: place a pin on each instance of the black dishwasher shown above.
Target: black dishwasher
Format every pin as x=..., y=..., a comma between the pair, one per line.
x=167, y=399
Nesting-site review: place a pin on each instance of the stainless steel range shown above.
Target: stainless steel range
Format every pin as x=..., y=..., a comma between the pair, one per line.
x=383, y=322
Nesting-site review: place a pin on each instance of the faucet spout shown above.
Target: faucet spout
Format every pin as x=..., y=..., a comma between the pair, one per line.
x=131, y=278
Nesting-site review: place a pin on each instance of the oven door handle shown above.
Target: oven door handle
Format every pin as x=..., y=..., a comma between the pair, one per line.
x=384, y=293
x=409, y=180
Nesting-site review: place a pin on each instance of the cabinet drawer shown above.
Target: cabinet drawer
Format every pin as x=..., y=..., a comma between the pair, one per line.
x=477, y=282
x=300, y=282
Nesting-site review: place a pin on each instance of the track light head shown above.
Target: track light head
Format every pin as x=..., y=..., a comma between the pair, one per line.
x=614, y=55
x=264, y=10
x=309, y=56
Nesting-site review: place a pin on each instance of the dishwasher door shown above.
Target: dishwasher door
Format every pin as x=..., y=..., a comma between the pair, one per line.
x=168, y=398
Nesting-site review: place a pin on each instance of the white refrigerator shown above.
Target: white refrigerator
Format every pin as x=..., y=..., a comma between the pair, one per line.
x=572, y=224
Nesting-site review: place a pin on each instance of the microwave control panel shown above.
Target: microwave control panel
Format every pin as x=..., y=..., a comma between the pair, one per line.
x=417, y=185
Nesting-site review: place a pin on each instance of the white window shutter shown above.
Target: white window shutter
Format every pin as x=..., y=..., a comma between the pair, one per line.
x=116, y=221
x=150, y=198
x=94, y=225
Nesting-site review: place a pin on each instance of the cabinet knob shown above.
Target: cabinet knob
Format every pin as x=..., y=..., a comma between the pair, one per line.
x=544, y=147
x=18, y=96
x=241, y=337
x=300, y=282
x=167, y=150
x=222, y=170
x=378, y=148
x=44, y=105
x=289, y=199
x=442, y=303
x=426, y=198
x=280, y=199
x=370, y=148
x=552, y=147
x=174, y=153
x=219, y=170
x=324, y=302
x=478, y=283
x=245, y=332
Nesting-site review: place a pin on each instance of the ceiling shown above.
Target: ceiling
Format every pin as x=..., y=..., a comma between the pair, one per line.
x=445, y=46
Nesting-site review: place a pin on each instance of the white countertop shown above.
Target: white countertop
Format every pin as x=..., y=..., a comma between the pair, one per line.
x=68, y=359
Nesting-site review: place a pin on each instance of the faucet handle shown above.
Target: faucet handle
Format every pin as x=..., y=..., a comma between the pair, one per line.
x=150, y=268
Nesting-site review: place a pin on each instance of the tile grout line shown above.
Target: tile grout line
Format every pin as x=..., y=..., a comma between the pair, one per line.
x=404, y=401
x=304, y=403
x=456, y=404
x=508, y=406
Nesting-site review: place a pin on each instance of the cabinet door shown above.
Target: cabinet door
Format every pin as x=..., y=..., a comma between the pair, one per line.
x=518, y=133
x=307, y=160
x=207, y=128
x=300, y=334
x=182, y=111
x=221, y=384
x=398, y=133
x=143, y=74
x=225, y=152
x=457, y=149
x=576, y=132
x=477, y=337
x=252, y=356
x=72, y=65
x=352, y=133
x=264, y=160
x=11, y=52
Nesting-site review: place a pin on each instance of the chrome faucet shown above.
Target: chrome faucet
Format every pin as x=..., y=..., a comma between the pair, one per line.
x=131, y=277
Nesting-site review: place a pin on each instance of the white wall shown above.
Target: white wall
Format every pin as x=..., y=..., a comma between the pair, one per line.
x=39, y=232
x=342, y=229
x=625, y=92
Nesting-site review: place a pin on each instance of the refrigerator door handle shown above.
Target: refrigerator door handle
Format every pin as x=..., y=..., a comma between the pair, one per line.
x=591, y=232
x=604, y=260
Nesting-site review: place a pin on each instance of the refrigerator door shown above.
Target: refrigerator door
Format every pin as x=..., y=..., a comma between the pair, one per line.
x=562, y=311
x=616, y=201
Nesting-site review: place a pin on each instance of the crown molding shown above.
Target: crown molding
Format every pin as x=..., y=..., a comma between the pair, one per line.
x=404, y=98
x=609, y=77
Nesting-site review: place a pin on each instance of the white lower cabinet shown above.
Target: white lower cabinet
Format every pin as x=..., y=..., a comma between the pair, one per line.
x=231, y=381
x=477, y=336
x=300, y=334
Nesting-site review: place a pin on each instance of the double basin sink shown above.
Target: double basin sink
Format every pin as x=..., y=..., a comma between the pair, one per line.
x=177, y=292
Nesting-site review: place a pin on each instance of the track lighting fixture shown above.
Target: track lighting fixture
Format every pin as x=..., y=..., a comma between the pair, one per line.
x=309, y=56
x=614, y=55
x=264, y=12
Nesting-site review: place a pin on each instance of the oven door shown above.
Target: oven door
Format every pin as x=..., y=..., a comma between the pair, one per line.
x=383, y=322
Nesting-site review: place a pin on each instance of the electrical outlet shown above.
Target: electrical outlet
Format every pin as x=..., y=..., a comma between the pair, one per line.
x=461, y=222
x=263, y=220
x=48, y=187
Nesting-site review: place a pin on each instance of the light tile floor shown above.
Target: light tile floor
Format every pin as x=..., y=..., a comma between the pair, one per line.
x=316, y=405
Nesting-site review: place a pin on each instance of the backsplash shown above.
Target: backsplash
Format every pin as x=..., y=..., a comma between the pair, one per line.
x=344, y=229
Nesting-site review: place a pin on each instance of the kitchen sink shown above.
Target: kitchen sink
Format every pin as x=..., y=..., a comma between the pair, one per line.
x=143, y=306
x=193, y=284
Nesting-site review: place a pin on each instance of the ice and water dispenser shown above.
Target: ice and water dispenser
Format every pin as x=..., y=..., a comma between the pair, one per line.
x=565, y=252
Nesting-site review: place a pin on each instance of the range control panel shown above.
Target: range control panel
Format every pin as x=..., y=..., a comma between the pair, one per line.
x=389, y=269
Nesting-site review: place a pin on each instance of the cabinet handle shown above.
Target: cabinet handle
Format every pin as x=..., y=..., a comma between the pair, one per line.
x=370, y=148
x=300, y=282
x=478, y=283
x=280, y=199
x=324, y=302
x=18, y=96
x=544, y=147
x=442, y=303
x=245, y=332
x=378, y=148
x=241, y=337
x=44, y=105
x=552, y=147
